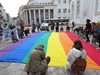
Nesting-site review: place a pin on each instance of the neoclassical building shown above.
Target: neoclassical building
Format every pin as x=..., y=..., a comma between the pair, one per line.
x=39, y=10
x=80, y=10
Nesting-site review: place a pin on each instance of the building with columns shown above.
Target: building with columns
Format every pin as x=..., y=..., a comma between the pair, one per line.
x=39, y=10
x=80, y=10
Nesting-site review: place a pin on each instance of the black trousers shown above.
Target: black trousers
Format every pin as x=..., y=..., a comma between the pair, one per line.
x=87, y=33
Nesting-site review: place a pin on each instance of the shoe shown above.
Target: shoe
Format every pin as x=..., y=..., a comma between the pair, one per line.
x=88, y=41
x=98, y=48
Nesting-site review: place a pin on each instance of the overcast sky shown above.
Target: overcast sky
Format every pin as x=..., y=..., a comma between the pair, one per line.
x=12, y=6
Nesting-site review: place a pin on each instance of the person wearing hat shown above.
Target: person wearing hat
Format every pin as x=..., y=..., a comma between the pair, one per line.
x=37, y=61
x=88, y=29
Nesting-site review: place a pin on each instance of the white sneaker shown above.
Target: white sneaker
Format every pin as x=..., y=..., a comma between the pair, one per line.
x=98, y=48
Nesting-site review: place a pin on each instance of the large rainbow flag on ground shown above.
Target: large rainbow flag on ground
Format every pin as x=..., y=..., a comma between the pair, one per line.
x=57, y=46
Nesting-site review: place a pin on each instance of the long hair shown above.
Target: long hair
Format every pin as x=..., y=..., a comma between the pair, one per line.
x=78, y=45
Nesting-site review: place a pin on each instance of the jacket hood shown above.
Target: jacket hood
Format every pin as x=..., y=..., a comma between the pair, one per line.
x=39, y=48
x=77, y=53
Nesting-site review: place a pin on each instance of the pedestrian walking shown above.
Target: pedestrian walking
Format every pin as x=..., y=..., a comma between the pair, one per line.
x=88, y=29
x=37, y=61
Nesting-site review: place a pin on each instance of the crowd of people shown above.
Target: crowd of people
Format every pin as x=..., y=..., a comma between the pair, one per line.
x=15, y=32
x=37, y=61
x=90, y=32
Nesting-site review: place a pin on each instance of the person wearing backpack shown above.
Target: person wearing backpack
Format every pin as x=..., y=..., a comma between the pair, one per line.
x=77, y=58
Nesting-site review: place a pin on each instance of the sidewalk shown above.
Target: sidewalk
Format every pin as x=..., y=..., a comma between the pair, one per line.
x=17, y=68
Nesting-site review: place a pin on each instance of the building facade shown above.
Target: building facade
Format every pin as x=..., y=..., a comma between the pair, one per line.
x=4, y=17
x=80, y=10
x=39, y=10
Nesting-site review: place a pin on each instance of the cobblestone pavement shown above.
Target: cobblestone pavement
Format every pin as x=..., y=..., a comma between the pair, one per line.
x=17, y=68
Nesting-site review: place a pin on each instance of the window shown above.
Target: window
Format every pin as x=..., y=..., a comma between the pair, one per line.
x=64, y=17
x=37, y=3
x=48, y=3
x=64, y=10
x=45, y=3
x=78, y=8
x=59, y=1
x=34, y=3
x=59, y=17
x=59, y=10
x=64, y=1
x=40, y=3
x=73, y=10
x=51, y=3
x=98, y=7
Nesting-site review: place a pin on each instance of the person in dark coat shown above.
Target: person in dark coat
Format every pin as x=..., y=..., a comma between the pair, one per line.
x=73, y=24
x=88, y=29
x=33, y=28
x=22, y=30
x=52, y=26
x=37, y=61
x=38, y=27
x=57, y=26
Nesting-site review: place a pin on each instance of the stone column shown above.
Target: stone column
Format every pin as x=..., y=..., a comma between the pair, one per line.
x=30, y=16
x=39, y=16
x=34, y=17
x=49, y=13
x=44, y=14
x=26, y=17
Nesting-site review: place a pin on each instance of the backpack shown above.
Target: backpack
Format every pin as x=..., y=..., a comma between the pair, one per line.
x=79, y=66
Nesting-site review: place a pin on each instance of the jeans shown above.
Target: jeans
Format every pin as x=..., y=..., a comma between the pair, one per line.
x=19, y=33
x=47, y=59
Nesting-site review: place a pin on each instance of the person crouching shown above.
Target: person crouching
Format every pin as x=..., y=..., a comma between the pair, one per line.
x=37, y=62
x=61, y=29
x=75, y=54
x=13, y=37
x=26, y=31
x=67, y=28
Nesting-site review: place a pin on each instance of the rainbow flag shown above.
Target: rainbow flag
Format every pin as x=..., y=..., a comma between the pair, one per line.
x=57, y=46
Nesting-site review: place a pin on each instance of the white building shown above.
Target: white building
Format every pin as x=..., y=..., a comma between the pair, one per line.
x=80, y=10
x=40, y=10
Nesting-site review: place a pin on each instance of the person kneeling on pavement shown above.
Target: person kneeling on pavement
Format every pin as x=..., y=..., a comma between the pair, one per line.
x=37, y=62
x=61, y=29
x=26, y=31
x=77, y=58
x=13, y=37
